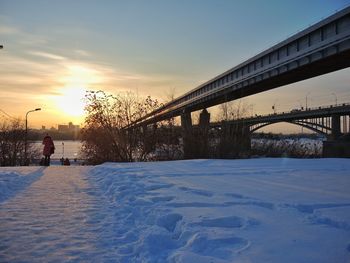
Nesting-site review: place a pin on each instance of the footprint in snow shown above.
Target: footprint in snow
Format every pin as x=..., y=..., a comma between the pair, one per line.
x=169, y=221
x=157, y=187
x=218, y=247
x=197, y=191
x=223, y=222
x=125, y=250
x=162, y=199
x=228, y=222
x=234, y=195
x=310, y=208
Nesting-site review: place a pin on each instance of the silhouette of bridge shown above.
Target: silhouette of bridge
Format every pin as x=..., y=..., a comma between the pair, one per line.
x=331, y=121
x=319, y=49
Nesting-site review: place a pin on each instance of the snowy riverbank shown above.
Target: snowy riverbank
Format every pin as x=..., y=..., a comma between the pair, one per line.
x=257, y=210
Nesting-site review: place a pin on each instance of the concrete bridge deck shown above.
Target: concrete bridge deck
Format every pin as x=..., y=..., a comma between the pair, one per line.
x=317, y=50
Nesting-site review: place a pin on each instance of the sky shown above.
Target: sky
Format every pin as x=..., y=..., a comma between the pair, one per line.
x=56, y=50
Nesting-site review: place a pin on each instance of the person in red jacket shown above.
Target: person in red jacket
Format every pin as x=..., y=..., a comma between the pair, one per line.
x=49, y=148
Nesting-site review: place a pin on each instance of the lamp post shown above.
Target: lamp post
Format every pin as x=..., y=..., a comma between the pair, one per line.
x=62, y=150
x=26, y=135
x=301, y=105
x=336, y=99
x=306, y=100
x=274, y=107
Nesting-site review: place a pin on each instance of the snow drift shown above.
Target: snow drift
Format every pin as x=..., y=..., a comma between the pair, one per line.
x=257, y=210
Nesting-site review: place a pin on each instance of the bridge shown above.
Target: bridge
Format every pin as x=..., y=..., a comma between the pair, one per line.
x=331, y=121
x=321, y=48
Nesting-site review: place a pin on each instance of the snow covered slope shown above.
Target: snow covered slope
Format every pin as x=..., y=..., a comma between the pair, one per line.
x=261, y=210
x=13, y=180
x=257, y=210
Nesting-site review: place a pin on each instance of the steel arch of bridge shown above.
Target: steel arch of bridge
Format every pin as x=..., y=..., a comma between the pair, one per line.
x=318, y=128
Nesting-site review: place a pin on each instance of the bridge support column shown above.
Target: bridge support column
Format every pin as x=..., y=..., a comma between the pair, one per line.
x=335, y=146
x=148, y=137
x=187, y=135
x=234, y=141
x=336, y=149
x=336, y=132
x=243, y=140
x=202, y=139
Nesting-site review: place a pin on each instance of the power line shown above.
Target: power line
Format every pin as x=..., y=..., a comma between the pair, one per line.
x=7, y=115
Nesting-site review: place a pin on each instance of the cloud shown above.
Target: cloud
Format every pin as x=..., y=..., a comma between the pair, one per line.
x=8, y=30
x=46, y=55
x=21, y=37
x=82, y=53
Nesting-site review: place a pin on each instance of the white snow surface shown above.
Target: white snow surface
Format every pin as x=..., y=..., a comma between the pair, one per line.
x=256, y=210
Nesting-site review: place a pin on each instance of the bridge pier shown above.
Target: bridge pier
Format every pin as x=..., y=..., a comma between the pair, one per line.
x=336, y=149
x=148, y=137
x=336, y=132
x=187, y=135
x=336, y=146
x=235, y=141
x=195, y=141
x=202, y=139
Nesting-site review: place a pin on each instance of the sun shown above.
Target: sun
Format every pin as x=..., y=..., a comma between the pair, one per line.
x=71, y=102
x=76, y=80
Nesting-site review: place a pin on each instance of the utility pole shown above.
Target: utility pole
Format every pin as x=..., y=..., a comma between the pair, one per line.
x=26, y=136
x=306, y=100
x=336, y=98
x=274, y=107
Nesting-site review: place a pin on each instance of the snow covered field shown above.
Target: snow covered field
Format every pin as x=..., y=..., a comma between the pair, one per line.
x=256, y=210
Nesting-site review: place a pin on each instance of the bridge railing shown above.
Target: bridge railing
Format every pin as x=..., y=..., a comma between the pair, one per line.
x=294, y=111
x=314, y=44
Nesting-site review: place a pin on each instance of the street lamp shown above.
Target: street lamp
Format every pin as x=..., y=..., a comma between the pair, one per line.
x=306, y=99
x=301, y=105
x=26, y=135
x=336, y=99
x=274, y=107
x=62, y=150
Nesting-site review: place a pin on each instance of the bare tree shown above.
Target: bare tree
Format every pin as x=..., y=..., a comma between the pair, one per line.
x=234, y=140
x=12, y=144
x=167, y=135
x=104, y=135
x=233, y=110
x=170, y=95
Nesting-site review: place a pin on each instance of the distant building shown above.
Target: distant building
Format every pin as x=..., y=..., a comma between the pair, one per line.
x=68, y=128
x=62, y=128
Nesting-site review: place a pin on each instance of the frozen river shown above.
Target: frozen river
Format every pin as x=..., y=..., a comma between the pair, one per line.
x=65, y=149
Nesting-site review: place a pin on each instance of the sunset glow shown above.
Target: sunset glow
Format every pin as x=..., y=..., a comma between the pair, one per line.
x=71, y=47
x=77, y=80
x=79, y=76
x=71, y=102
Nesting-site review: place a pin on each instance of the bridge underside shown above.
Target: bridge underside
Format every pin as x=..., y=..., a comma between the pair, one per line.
x=302, y=69
x=317, y=50
x=320, y=49
x=258, y=84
